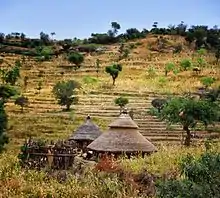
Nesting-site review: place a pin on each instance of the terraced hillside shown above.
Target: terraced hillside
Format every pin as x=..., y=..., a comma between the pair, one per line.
x=45, y=118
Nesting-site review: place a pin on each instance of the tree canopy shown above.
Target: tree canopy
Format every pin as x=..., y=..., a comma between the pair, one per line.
x=113, y=70
x=188, y=112
x=76, y=58
x=64, y=92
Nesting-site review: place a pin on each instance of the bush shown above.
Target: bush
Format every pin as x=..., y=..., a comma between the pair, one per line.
x=169, y=67
x=151, y=71
x=207, y=81
x=76, y=58
x=185, y=64
x=201, y=178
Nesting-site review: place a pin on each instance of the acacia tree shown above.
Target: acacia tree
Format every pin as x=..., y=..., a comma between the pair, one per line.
x=115, y=26
x=65, y=93
x=189, y=112
x=113, y=70
x=76, y=58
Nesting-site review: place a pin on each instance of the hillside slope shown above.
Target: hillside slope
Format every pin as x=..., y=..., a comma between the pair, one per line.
x=141, y=80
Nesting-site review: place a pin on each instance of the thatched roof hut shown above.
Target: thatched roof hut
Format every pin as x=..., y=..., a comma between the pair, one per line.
x=122, y=137
x=88, y=131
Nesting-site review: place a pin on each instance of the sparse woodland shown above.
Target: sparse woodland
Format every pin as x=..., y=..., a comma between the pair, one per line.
x=168, y=78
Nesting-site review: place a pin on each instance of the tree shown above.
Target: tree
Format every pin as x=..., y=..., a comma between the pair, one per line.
x=3, y=126
x=115, y=26
x=76, y=58
x=113, y=70
x=188, y=112
x=121, y=102
x=44, y=38
x=12, y=75
x=65, y=93
x=52, y=34
x=22, y=102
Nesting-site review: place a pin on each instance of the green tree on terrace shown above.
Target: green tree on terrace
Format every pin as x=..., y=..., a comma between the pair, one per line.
x=113, y=70
x=11, y=76
x=76, y=58
x=121, y=102
x=65, y=93
x=188, y=112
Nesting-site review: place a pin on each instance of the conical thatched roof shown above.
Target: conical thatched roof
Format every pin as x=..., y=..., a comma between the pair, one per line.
x=122, y=136
x=87, y=131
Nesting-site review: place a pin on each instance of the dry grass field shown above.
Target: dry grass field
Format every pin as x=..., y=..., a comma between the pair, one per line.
x=141, y=80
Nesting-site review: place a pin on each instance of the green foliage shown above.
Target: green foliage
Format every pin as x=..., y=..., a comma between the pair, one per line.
x=22, y=102
x=76, y=58
x=121, y=101
x=201, y=178
x=64, y=92
x=207, y=81
x=162, y=81
x=12, y=75
x=201, y=52
x=185, y=64
x=188, y=112
x=89, y=80
x=113, y=70
x=124, y=52
x=3, y=126
x=201, y=62
x=151, y=71
x=169, y=67
x=7, y=91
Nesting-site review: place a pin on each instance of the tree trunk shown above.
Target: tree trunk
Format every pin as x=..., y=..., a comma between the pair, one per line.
x=113, y=79
x=188, y=136
x=68, y=107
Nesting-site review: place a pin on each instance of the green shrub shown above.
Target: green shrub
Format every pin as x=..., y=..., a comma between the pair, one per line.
x=201, y=178
x=207, y=81
x=89, y=80
x=151, y=71
x=169, y=67
x=185, y=64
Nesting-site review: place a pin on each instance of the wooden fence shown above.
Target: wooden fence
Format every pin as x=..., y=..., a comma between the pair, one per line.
x=38, y=154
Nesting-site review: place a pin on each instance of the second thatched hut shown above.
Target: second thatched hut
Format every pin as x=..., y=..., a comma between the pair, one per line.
x=86, y=133
x=122, y=137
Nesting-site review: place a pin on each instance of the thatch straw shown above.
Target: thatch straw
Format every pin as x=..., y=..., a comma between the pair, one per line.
x=86, y=132
x=122, y=137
